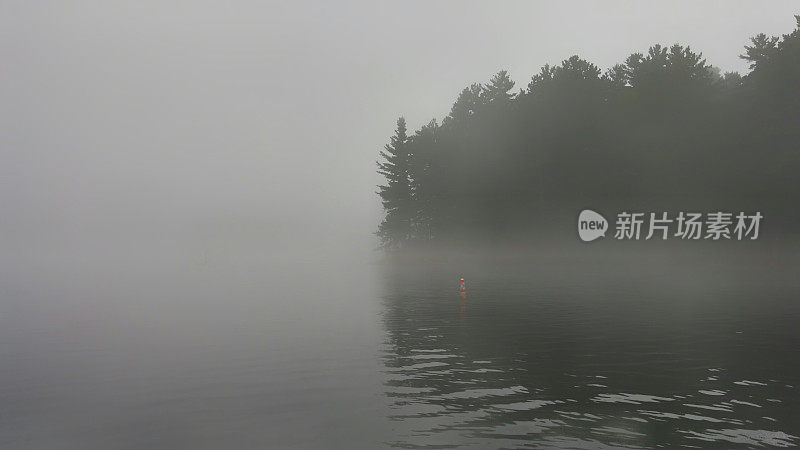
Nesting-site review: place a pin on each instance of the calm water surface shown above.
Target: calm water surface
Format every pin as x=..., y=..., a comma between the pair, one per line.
x=616, y=356
x=223, y=352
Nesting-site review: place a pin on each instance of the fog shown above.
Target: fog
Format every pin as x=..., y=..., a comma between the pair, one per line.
x=193, y=126
x=188, y=255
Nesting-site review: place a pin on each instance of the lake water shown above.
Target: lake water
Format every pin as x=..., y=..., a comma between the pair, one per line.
x=209, y=351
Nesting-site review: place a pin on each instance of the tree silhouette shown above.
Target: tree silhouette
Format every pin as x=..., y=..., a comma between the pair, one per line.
x=661, y=131
x=396, y=194
x=499, y=88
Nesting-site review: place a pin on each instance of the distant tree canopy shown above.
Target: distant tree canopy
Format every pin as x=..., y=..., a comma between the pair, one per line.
x=662, y=131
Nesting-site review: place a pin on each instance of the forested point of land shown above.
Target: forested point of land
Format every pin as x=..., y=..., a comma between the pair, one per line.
x=662, y=131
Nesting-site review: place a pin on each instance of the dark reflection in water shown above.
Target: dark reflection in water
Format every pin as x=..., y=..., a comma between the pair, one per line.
x=593, y=355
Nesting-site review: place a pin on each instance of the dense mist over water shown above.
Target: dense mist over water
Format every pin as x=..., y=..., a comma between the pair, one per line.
x=258, y=126
x=188, y=259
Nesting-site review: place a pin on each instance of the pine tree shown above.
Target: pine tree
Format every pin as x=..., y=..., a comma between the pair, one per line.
x=465, y=106
x=762, y=51
x=396, y=195
x=499, y=87
x=660, y=121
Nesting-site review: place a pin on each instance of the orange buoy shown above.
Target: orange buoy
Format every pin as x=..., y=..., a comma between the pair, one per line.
x=463, y=289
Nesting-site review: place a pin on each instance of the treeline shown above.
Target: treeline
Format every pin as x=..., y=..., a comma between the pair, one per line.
x=662, y=131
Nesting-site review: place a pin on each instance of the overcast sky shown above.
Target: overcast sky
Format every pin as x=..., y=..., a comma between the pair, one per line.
x=258, y=124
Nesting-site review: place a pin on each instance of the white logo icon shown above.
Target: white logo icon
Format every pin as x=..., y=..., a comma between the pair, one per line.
x=591, y=225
